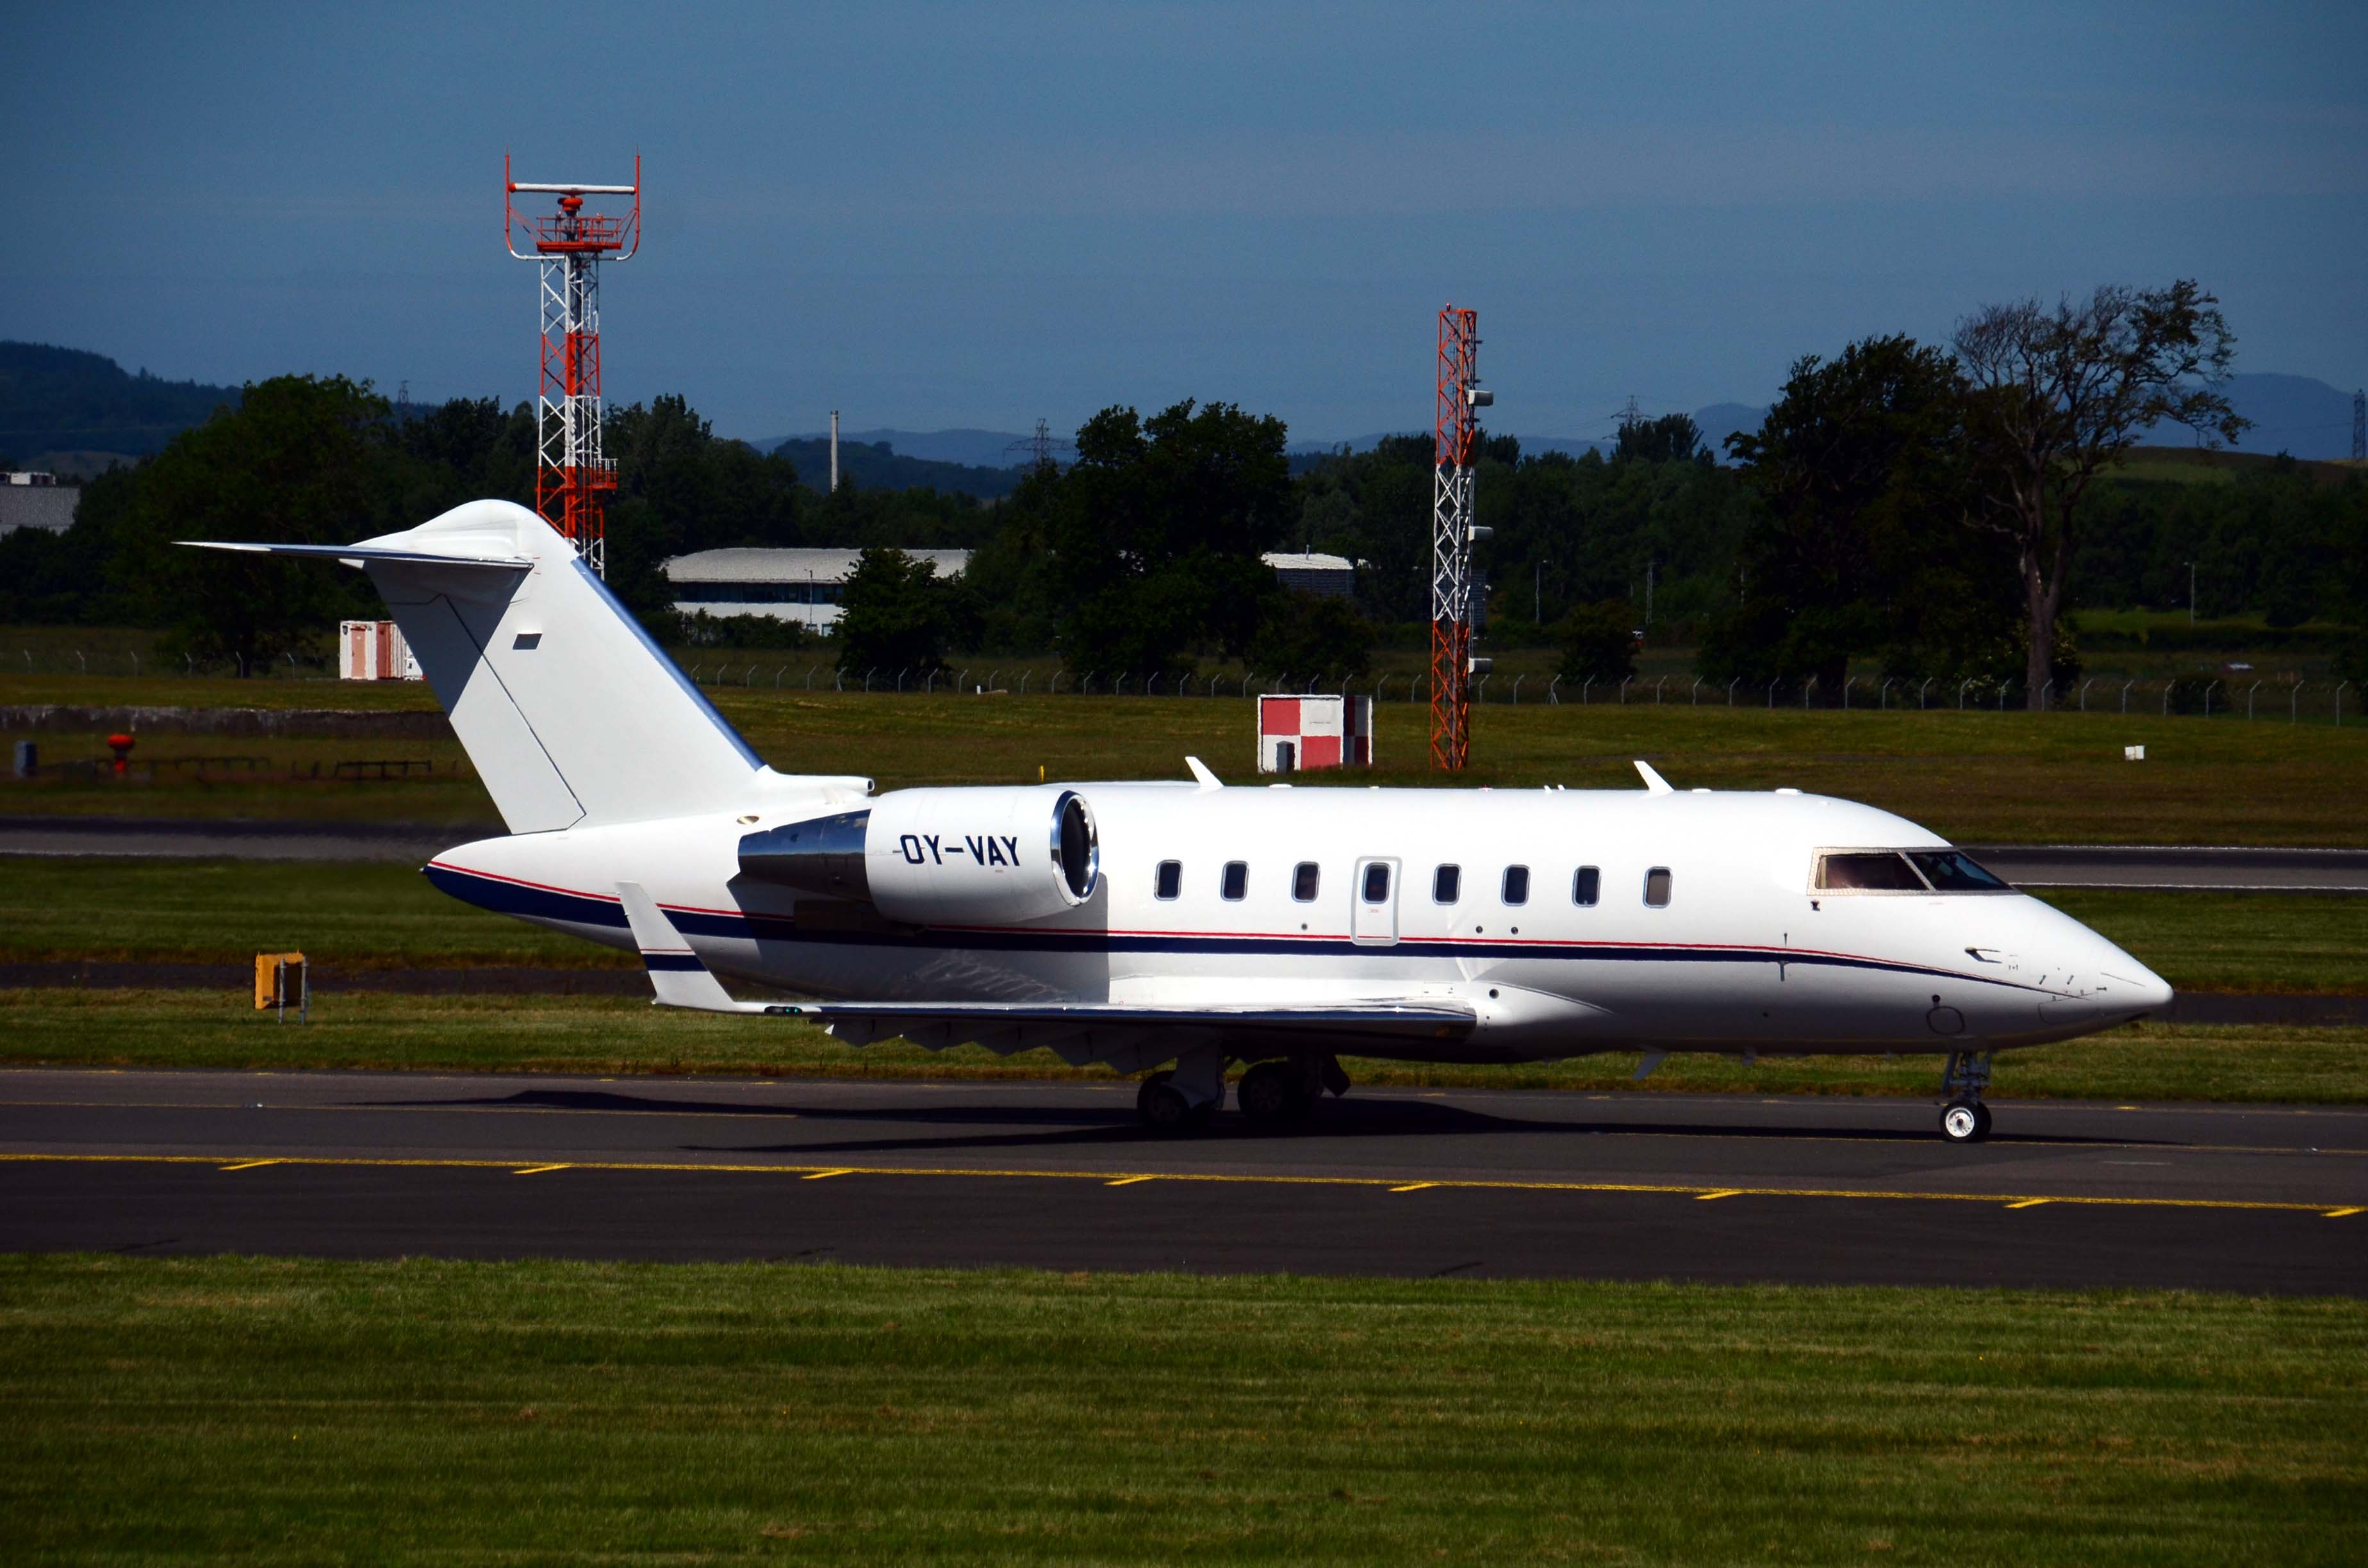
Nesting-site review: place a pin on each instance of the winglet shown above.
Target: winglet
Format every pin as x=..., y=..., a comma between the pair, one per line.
x=675, y=973
x=1200, y=774
x=1653, y=783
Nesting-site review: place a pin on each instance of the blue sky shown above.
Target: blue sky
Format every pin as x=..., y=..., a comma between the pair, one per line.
x=935, y=215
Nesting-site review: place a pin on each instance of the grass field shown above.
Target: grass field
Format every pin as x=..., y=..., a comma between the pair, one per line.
x=604, y=1035
x=1973, y=777
x=301, y=1411
x=365, y=914
x=381, y=916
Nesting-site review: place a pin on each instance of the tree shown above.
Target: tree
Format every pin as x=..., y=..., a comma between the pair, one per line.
x=1861, y=544
x=1315, y=635
x=680, y=489
x=895, y=614
x=294, y=463
x=1673, y=437
x=2059, y=395
x=1599, y=642
x=1152, y=537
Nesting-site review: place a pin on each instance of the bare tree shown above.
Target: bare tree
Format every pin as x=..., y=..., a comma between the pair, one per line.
x=2059, y=395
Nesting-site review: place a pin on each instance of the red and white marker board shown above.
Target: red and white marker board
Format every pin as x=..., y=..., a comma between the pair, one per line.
x=1295, y=732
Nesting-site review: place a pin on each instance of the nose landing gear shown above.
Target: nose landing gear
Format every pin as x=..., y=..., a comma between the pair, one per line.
x=1964, y=1118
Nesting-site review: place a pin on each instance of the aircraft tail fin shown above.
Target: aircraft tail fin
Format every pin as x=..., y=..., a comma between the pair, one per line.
x=567, y=710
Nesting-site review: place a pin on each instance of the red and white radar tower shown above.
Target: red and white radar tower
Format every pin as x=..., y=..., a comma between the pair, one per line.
x=571, y=476
x=1452, y=534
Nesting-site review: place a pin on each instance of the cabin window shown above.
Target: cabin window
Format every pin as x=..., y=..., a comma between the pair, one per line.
x=1868, y=871
x=1377, y=883
x=1657, y=888
x=1587, y=887
x=1516, y=884
x=1447, y=885
x=1305, y=877
x=1951, y=872
x=1236, y=881
x=1170, y=879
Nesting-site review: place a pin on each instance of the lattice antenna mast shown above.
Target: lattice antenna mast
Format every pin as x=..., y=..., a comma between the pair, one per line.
x=1038, y=448
x=572, y=476
x=1460, y=397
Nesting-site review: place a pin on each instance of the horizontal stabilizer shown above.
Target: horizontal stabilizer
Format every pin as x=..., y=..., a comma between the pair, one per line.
x=356, y=555
x=677, y=973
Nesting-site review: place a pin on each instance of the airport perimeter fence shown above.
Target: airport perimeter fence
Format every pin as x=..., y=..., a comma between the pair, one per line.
x=116, y=660
x=2258, y=700
x=2263, y=700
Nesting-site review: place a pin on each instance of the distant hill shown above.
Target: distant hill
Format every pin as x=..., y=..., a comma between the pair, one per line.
x=65, y=400
x=1717, y=421
x=1721, y=420
x=2193, y=465
x=877, y=465
x=2298, y=414
x=971, y=448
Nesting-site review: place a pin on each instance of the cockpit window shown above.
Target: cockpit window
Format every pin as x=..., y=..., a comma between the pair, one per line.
x=1867, y=870
x=1898, y=870
x=1950, y=870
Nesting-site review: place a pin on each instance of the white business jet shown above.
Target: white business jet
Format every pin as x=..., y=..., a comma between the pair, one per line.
x=1144, y=924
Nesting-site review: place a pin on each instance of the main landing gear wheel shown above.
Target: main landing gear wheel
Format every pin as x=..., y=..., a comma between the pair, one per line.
x=1273, y=1093
x=1164, y=1109
x=1965, y=1121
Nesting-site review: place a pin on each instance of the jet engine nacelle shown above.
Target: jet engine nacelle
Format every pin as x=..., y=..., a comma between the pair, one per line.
x=941, y=857
x=980, y=857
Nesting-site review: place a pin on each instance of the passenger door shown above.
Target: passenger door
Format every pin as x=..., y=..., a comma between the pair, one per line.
x=1373, y=903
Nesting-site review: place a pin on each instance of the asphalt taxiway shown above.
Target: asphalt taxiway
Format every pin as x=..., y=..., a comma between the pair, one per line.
x=1059, y=1175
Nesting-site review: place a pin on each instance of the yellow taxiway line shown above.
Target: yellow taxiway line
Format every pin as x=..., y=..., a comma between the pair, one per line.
x=2331, y=1209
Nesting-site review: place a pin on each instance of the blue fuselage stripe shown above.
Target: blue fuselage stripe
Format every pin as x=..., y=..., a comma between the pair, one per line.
x=582, y=909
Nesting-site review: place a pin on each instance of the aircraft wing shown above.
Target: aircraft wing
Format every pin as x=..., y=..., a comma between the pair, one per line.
x=1127, y=1035
x=1079, y=1032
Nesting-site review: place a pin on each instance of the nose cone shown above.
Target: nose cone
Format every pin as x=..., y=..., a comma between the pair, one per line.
x=2131, y=983
x=2112, y=981
x=2117, y=980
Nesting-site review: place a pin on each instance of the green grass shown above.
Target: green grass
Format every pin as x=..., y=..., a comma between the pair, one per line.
x=254, y=1411
x=2241, y=942
x=1975, y=777
x=358, y=916
x=96, y=1027
x=368, y=915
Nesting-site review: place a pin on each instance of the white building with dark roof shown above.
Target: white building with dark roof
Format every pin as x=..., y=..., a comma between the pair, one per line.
x=1332, y=576
x=30, y=499
x=803, y=586
x=806, y=585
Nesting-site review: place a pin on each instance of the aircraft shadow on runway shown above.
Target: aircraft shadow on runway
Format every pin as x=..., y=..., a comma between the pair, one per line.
x=1029, y=1126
